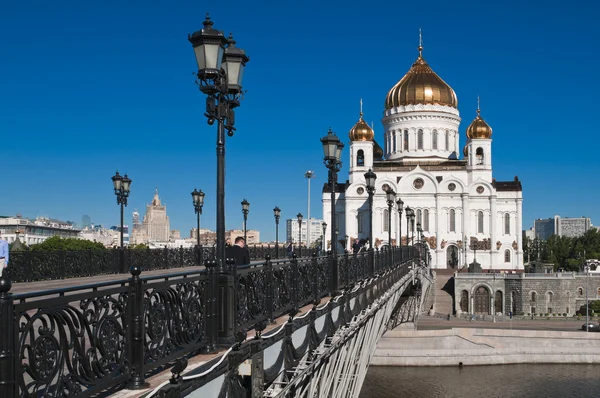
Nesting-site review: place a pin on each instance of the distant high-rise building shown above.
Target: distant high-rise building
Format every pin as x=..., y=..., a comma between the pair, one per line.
x=156, y=223
x=544, y=228
x=86, y=221
x=292, y=231
x=135, y=220
x=567, y=226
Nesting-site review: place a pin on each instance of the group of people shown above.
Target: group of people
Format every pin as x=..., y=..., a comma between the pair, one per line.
x=360, y=246
x=3, y=254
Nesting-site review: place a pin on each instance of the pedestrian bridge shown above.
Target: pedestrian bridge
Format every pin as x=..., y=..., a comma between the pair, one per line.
x=99, y=339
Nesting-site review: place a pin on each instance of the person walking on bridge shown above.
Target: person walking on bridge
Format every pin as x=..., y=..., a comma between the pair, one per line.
x=239, y=252
x=3, y=254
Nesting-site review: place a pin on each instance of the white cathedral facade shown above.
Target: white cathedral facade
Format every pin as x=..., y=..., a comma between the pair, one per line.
x=465, y=214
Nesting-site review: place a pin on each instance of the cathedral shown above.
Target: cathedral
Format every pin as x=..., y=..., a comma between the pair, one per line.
x=465, y=215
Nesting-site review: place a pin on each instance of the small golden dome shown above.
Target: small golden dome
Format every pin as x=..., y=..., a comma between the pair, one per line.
x=421, y=85
x=377, y=151
x=479, y=128
x=466, y=150
x=361, y=131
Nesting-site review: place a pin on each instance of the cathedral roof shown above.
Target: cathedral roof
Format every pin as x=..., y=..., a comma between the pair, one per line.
x=421, y=85
x=507, y=186
x=479, y=128
x=361, y=131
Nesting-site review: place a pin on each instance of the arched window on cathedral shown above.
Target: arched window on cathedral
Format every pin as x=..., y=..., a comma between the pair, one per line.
x=406, y=140
x=420, y=217
x=359, y=221
x=386, y=220
x=480, y=222
x=507, y=256
x=447, y=138
x=425, y=220
x=434, y=139
x=479, y=156
x=533, y=296
x=420, y=139
x=394, y=142
x=360, y=158
x=507, y=224
x=452, y=216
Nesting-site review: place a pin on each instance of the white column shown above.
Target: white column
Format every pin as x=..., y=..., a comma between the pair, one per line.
x=493, y=218
x=465, y=221
x=438, y=225
x=518, y=227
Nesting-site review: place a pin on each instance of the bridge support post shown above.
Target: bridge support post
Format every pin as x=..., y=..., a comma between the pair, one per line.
x=211, y=306
x=8, y=379
x=257, y=372
x=226, y=304
x=269, y=287
x=136, y=330
x=295, y=287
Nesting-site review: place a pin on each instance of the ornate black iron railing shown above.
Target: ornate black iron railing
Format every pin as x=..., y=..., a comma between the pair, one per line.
x=84, y=340
x=35, y=265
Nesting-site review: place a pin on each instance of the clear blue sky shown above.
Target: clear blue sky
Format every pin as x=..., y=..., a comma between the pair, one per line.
x=90, y=87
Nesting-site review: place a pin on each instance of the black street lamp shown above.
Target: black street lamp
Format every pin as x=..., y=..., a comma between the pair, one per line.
x=121, y=185
x=408, y=213
x=323, y=235
x=419, y=235
x=391, y=196
x=412, y=226
x=245, y=210
x=370, y=178
x=332, y=157
x=198, y=200
x=220, y=71
x=277, y=213
x=399, y=206
x=299, y=216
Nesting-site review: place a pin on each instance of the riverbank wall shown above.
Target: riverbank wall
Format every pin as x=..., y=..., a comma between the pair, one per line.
x=474, y=346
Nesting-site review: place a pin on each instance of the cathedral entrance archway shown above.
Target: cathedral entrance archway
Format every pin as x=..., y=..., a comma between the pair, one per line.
x=481, y=301
x=452, y=256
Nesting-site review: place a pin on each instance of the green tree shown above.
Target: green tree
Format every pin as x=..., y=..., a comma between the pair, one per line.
x=58, y=243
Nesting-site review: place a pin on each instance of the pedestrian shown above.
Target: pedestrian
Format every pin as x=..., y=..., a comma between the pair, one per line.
x=355, y=246
x=290, y=250
x=238, y=252
x=3, y=254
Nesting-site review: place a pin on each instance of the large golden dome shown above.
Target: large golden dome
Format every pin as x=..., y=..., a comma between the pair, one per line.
x=421, y=85
x=479, y=128
x=361, y=131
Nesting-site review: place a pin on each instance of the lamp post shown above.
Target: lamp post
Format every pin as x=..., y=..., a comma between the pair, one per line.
x=370, y=178
x=198, y=200
x=465, y=250
x=220, y=71
x=299, y=216
x=121, y=185
x=399, y=206
x=412, y=226
x=324, y=237
x=308, y=175
x=420, y=238
x=245, y=211
x=277, y=213
x=408, y=211
x=332, y=157
x=390, y=196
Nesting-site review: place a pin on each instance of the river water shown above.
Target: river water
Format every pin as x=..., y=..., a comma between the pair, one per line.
x=507, y=381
